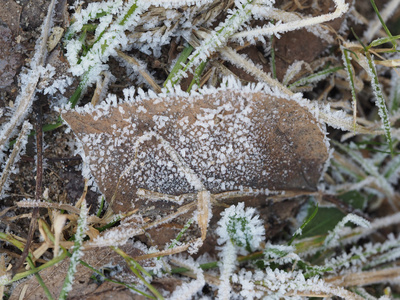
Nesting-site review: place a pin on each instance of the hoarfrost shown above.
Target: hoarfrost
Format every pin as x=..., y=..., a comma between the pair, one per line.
x=235, y=138
x=335, y=234
x=227, y=137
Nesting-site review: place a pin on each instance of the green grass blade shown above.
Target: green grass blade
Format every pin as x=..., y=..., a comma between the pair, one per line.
x=380, y=41
x=179, y=64
x=215, y=40
x=306, y=221
x=382, y=22
x=197, y=75
x=180, y=234
x=40, y=280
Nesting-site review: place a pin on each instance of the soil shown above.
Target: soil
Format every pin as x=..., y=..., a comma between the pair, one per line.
x=20, y=22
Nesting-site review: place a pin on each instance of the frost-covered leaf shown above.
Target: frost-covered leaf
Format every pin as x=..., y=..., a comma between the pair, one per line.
x=234, y=138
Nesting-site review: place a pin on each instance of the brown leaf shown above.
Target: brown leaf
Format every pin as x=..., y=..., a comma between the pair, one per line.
x=232, y=139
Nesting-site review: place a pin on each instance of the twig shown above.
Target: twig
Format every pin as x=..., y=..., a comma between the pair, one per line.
x=365, y=278
x=38, y=191
x=19, y=144
x=24, y=100
x=27, y=203
x=141, y=69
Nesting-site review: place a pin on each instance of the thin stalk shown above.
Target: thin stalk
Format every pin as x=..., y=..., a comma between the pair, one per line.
x=273, y=62
x=40, y=280
x=350, y=74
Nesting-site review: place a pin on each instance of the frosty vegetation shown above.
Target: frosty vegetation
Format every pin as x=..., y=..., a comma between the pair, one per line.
x=201, y=140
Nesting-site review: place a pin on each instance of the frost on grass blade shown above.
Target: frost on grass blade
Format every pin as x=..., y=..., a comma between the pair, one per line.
x=380, y=101
x=268, y=30
x=77, y=253
x=232, y=138
x=279, y=284
x=333, y=237
x=217, y=38
x=111, y=38
x=242, y=226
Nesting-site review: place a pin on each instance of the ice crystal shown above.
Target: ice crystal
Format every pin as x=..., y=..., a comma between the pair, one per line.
x=278, y=284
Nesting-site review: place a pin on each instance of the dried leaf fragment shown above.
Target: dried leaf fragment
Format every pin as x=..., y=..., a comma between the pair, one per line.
x=232, y=138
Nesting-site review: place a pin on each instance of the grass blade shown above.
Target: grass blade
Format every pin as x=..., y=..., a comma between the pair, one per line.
x=349, y=70
x=80, y=234
x=380, y=101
